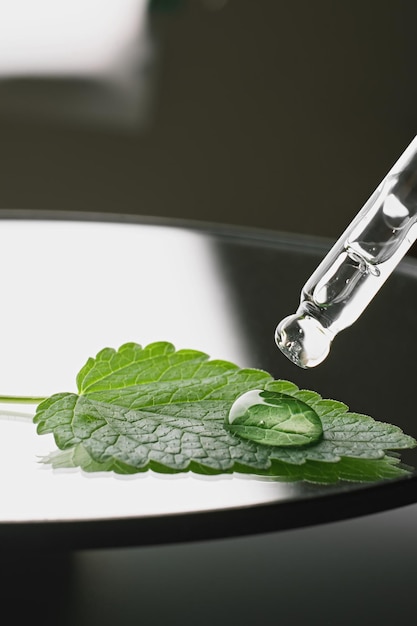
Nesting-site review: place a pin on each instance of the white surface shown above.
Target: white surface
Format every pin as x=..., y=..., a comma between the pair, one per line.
x=71, y=289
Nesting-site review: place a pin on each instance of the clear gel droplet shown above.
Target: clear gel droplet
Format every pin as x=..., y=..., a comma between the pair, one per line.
x=303, y=340
x=274, y=419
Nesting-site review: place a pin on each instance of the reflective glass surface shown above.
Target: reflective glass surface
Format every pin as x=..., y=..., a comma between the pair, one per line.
x=72, y=287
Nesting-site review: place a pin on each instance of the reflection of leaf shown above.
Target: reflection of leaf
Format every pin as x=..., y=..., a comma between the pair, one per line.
x=157, y=408
x=347, y=469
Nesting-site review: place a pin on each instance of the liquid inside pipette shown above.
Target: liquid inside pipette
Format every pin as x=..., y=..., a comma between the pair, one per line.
x=356, y=267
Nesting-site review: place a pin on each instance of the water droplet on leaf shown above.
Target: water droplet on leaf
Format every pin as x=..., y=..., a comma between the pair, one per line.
x=274, y=419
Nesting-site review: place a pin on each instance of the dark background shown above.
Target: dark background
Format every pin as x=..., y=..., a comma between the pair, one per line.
x=268, y=114
x=262, y=113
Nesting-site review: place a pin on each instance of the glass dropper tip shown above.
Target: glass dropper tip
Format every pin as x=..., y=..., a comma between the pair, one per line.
x=303, y=340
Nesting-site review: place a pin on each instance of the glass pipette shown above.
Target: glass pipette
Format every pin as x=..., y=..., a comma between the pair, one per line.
x=356, y=267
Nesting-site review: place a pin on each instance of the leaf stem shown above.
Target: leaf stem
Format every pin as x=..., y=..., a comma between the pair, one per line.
x=21, y=399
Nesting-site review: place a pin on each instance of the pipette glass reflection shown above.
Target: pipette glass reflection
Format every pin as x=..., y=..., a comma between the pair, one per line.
x=356, y=267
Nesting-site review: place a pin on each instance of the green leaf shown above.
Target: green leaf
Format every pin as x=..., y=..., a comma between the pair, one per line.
x=162, y=409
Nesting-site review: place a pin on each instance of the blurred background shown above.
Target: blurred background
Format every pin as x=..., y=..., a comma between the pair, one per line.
x=261, y=113
x=265, y=114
